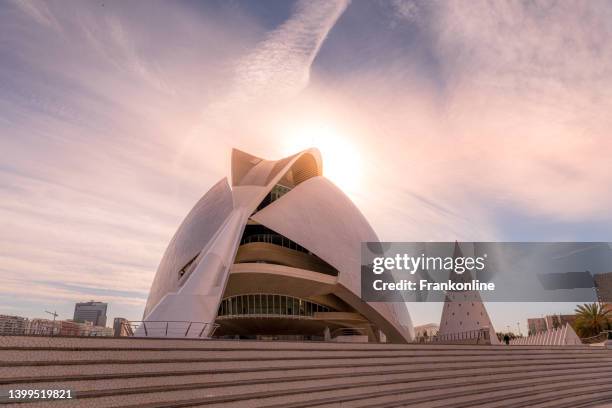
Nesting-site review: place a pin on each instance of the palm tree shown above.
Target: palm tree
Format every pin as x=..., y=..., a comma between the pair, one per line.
x=591, y=319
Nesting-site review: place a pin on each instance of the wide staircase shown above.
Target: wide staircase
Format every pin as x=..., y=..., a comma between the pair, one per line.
x=147, y=373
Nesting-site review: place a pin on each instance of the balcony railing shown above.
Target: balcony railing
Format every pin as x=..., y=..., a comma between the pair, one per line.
x=268, y=305
x=274, y=239
x=173, y=329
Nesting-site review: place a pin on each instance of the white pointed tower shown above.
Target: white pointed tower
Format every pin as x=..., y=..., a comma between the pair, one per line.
x=464, y=311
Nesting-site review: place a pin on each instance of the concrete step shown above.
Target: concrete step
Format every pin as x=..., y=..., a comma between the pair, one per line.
x=260, y=368
x=594, y=399
x=339, y=390
x=42, y=357
x=443, y=395
x=111, y=343
x=151, y=384
x=524, y=397
x=147, y=373
x=235, y=367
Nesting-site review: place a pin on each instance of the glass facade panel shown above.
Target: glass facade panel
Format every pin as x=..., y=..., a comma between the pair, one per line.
x=269, y=305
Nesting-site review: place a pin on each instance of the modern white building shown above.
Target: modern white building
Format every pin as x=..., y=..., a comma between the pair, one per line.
x=273, y=254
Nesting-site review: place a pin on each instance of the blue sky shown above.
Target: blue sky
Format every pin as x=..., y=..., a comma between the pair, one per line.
x=442, y=121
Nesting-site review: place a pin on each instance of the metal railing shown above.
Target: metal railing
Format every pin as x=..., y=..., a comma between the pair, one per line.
x=170, y=328
x=349, y=331
x=275, y=239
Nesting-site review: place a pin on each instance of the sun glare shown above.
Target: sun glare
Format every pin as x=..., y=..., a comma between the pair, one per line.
x=341, y=160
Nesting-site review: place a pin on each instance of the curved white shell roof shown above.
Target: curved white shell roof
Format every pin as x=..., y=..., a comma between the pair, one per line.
x=319, y=216
x=193, y=234
x=315, y=214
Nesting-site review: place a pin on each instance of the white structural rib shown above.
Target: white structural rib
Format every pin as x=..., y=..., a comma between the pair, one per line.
x=194, y=233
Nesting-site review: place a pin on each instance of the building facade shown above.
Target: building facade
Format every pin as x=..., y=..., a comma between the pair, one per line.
x=426, y=330
x=44, y=327
x=549, y=322
x=603, y=287
x=559, y=320
x=12, y=325
x=276, y=255
x=536, y=325
x=94, y=312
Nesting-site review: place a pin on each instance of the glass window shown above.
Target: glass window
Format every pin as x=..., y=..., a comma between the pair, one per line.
x=257, y=304
x=265, y=304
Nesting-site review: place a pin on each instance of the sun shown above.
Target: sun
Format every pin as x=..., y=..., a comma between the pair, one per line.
x=341, y=159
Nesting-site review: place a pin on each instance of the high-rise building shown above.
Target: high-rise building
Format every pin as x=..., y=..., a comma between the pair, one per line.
x=603, y=287
x=94, y=312
x=12, y=325
x=275, y=256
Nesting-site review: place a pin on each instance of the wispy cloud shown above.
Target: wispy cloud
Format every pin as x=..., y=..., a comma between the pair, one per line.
x=96, y=103
x=38, y=11
x=279, y=66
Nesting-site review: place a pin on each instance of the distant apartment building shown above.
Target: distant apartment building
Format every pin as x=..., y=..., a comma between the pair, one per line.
x=603, y=287
x=536, y=325
x=426, y=330
x=94, y=312
x=557, y=321
x=12, y=325
x=69, y=328
x=44, y=327
x=548, y=323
